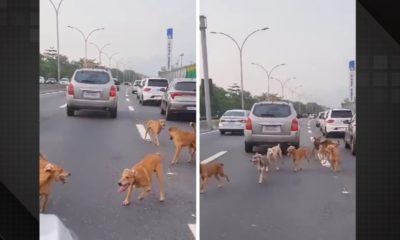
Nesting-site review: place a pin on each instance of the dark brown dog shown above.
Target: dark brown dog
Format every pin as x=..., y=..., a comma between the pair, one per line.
x=297, y=155
x=211, y=169
x=48, y=174
x=181, y=140
x=139, y=176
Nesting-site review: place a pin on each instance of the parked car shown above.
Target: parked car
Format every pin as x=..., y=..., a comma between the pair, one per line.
x=64, y=81
x=334, y=121
x=319, y=119
x=233, y=121
x=151, y=90
x=135, y=86
x=270, y=123
x=350, y=135
x=92, y=89
x=41, y=80
x=178, y=98
x=51, y=81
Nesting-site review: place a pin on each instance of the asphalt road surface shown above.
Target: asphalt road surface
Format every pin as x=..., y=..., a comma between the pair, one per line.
x=312, y=204
x=95, y=149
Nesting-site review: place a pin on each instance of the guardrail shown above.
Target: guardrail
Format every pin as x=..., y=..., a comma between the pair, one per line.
x=47, y=88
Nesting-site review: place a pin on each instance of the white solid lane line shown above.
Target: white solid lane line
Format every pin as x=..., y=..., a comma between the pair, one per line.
x=131, y=108
x=63, y=106
x=209, y=132
x=213, y=157
x=142, y=131
x=192, y=228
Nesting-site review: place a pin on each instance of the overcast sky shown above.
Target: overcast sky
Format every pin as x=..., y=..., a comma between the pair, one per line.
x=316, y=40
x=136, y=29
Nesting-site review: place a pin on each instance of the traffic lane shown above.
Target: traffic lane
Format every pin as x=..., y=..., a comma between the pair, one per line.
x=305, y=205
x=95, y=149
x=49, y=102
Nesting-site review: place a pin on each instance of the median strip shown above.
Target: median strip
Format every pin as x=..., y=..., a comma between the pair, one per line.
x=213, y=157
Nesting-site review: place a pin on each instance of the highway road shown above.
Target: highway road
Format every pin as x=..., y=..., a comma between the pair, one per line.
x=313, y=204
x=95, y=149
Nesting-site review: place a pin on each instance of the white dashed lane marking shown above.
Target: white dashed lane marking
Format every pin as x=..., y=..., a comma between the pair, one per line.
x=63, y=106
x=209, y=132
x=127, y=99
x=142, y=131
x=213, y=157
x=131, y=108
x=192, y=228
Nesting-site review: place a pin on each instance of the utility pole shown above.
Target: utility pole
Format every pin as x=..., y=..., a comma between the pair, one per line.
x=203, y=27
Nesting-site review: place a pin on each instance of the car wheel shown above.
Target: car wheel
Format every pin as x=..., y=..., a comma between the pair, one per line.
x=113, y=113
x=168, y=115
x=70, y=111
x=346, y=144
x=248, y=147
x=162, y=111
x=221, y=132
x=353, y=147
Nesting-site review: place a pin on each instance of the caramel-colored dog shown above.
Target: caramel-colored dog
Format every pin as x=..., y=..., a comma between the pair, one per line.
x=154, y=128
x=139, y=176
x=297, y=155
x=181, y=140
x=334, y=157
x=48, y=174
x=322, y=151
x=211, y=169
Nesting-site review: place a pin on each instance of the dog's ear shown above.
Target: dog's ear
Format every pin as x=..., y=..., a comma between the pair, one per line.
x=49, y=167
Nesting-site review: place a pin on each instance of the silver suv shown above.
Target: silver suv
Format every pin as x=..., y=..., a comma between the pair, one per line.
x=270, y=123
x=92, y=89
x=179, y=98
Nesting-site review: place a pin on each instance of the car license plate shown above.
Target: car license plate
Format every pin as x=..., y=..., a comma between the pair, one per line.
x=191, y=108
x=91, y=94
x=271, y=129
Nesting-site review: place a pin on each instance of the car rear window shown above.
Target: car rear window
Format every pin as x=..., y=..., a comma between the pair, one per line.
x=185, y=86
x=157, y=83
x=341, y=114
x=234, y=114
x=272, y=110
x=92, y=77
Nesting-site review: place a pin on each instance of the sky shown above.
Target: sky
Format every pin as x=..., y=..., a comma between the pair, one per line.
x=136, y=29
x=314, y=38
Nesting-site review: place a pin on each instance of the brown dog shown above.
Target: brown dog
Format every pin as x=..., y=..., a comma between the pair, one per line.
x=181, y=140
x=334, y=157
x=153, y=129
x=211, y=169
x=297, y=155
x=320, y=144
x=48, y=174
x=139, y=176
x=322, y=152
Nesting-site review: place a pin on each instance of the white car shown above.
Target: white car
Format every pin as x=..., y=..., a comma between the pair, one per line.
x=152, y=90
x=52, y=228
x=335, y=121
x=233, y=121
x=135, y=86
x=322, y=121
x=41, y=80
x=319, y=119
x=64, y=81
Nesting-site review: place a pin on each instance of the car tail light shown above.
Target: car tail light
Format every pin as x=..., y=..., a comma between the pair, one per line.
x=249, y=124
x=295, y=125
x=330, y=121
x=174, y=94
x=113, y=91
x=70, y=89
x=147, y=89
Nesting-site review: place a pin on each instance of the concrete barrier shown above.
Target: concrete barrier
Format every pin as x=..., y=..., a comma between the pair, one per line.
x=48, y=88
x=204, y=127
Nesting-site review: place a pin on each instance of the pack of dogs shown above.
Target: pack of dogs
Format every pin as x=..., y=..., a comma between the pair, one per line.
x=321, y=150
x=138, y=176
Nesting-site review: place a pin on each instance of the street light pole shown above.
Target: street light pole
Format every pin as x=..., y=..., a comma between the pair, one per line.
x=207, y=99
x=181, y=55
x=240, y=48
x=100, y=49
x=85, y=38
x=268, y=72
x=283, y=83
x=56, y=9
